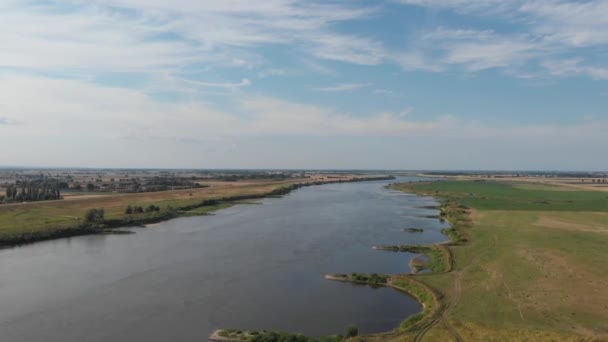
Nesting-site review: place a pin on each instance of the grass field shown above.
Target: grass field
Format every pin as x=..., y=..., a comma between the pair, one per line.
x=534, y=266
x=36, y=217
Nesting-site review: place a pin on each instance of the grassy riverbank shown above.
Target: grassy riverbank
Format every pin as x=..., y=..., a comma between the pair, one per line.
x=439, y=256
x=529, y=263
x=29, y=222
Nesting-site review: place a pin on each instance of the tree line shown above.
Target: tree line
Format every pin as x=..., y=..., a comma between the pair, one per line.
x=138, y=210
x=29, y=191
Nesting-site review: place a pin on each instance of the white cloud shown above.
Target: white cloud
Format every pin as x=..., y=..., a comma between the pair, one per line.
x=349, y=49
x=343, y=87
x=319, y=68
x=455, y=3
x=573, y=23
x=156, y=36
x=544, y=30
x=272, y=72
x=244, y=83
x=485, y=55
x=137, y=130
x=417, y=60
x=575, y=66
x=384, y=91
x=70, y=106
x=138, y=35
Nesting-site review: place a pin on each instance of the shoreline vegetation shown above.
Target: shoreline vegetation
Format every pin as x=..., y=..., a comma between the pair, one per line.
x=93, y=221
x=413, y=230
x=438, y=256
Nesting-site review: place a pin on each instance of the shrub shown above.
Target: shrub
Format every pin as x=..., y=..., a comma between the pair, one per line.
x=352, y=331
x=94, y=215
x=152, y=207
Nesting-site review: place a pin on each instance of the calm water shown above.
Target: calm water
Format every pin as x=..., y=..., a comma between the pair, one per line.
x=249, y=267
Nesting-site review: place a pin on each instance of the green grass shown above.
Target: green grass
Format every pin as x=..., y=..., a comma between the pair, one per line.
x=425, y=297
x=206, y=209
x=511, y=196
x=526, y=270
x=438, y=257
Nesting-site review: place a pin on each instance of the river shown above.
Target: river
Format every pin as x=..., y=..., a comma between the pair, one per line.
x=251, y=266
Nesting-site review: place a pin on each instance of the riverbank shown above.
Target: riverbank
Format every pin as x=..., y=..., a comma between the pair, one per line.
x=32, y=222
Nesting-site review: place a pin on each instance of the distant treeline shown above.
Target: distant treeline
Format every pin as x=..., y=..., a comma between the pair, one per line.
x=252, y=176
x=29, y=191
x=499, y=174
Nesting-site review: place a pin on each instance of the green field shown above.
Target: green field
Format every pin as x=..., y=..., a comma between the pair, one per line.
x=533, y=266
x=485, y=195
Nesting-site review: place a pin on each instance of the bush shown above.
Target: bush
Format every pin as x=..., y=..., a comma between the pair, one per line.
x=152, y=208
x=94, y=215
x=352, y=331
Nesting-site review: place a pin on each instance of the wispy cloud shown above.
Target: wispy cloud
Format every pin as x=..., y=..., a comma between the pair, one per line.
x=146, y=36
x=576, y=66
x=546, y=30
x=384, y=91
x=60, y=105
x=244, y=82
x=72, y=108
x=343, y=87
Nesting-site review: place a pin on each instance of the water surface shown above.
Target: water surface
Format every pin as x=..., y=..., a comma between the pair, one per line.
x=248, y=267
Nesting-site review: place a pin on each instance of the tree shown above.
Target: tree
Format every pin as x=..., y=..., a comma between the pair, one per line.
x=129, y=210
x=91, y=187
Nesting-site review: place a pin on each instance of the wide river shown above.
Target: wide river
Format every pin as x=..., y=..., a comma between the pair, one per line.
x=247, y=267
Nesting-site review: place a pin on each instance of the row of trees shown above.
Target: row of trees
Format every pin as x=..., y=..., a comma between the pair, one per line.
x=97, y=215
x=138, y=210
x=38, y=190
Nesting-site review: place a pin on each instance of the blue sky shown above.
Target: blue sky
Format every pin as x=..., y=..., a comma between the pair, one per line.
x=401, y=84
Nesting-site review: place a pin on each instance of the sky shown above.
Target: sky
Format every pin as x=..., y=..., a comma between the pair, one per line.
x=394, y=84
